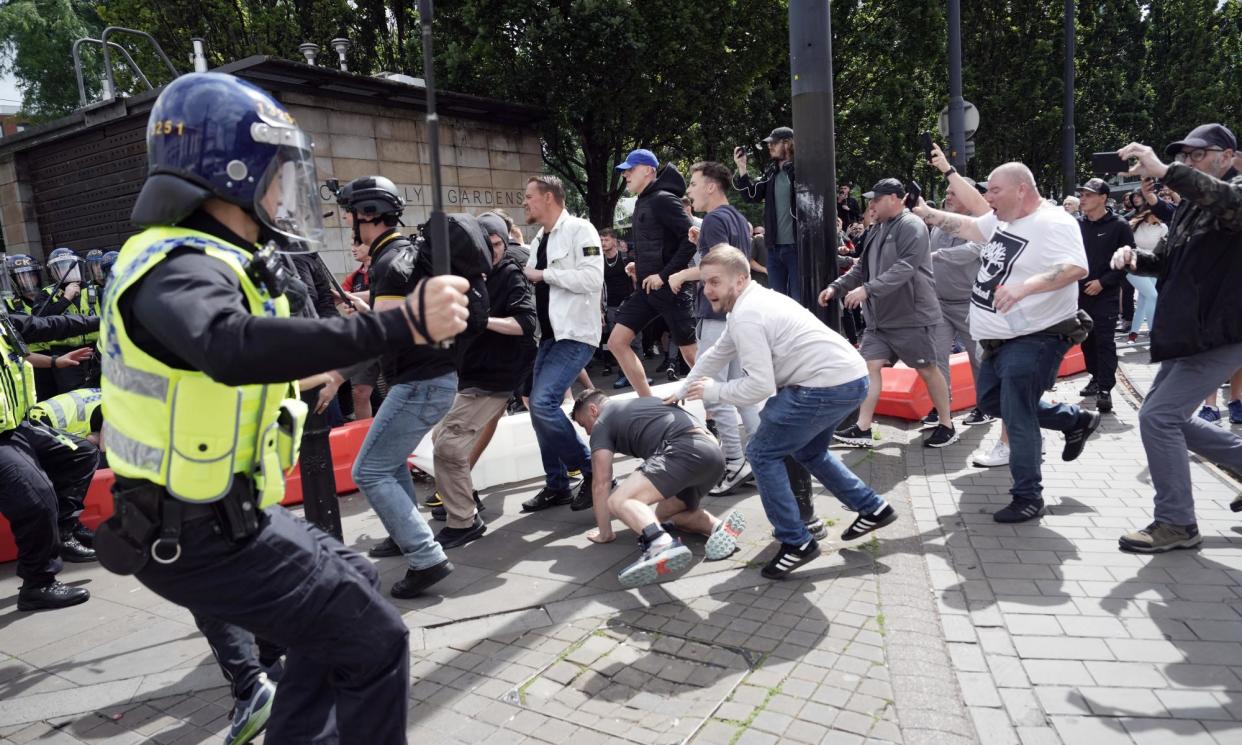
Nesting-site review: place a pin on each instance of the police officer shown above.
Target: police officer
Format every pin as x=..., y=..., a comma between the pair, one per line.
x=77, y=412
x=201, y=422
x=27, y=281
x=68, y=294
x=43, y=474
x=422, y=382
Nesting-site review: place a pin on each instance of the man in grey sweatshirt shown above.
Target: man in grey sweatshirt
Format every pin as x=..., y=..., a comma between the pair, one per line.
x=894, y=285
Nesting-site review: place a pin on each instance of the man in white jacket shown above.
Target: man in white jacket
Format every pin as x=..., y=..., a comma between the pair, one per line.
x=566, y=267
x=811, y=379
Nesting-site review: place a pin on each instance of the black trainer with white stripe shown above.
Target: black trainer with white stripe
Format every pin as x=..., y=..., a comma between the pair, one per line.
x=864, y=524
x=789, y=558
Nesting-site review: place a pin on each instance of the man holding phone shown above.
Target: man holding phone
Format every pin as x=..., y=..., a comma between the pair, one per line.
x=776, y=190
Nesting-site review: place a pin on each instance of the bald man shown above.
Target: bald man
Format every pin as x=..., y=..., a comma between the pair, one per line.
x=1024, y=312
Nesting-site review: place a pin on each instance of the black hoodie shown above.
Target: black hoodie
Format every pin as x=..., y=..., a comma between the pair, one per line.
x=1101, y=239
x=659, y=236
x=494, y=361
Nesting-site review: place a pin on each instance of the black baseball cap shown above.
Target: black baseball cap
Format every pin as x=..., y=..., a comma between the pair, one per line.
x=778, y=134
x=1096, y=186
x=1205, y=136
x=886, y=186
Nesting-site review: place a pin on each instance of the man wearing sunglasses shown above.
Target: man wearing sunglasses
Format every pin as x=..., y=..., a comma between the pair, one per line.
x=1197, y=336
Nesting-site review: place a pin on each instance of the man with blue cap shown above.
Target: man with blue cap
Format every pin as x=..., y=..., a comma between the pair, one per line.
x=660, y=244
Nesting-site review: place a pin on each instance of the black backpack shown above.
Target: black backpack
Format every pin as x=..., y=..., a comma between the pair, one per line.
x=469, y=253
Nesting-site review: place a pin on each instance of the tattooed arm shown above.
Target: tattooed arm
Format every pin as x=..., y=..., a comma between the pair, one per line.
x=958, y=226
x=1054, y=279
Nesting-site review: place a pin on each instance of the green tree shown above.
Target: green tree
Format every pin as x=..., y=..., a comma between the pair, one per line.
x=37, y=37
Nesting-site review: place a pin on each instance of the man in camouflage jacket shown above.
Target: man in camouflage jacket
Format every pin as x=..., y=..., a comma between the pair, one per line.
x=1197, y=333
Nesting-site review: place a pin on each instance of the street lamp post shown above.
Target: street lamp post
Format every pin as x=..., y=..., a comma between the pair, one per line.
x=1069, y=176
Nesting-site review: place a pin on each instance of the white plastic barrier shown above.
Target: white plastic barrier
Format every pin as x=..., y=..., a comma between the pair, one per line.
x=513, y=454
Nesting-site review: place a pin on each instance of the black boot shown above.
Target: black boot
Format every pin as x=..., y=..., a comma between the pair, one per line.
x=51, y=596
x=416, y=581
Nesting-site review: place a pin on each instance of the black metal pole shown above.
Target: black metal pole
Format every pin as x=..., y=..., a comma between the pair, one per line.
x=1069, y=176
x=439, y=223
x=319, y=500
x=810, y=65
x=957, y=112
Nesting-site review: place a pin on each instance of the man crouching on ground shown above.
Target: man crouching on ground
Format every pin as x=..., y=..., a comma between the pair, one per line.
x=682, y=462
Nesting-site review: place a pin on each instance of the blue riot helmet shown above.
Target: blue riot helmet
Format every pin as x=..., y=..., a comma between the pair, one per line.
x=63, y=266
x=106, y=263
x=26, y=274
x=94, y=270
x=215, y=135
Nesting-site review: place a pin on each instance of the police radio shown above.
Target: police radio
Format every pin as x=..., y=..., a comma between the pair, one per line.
x=268, y=270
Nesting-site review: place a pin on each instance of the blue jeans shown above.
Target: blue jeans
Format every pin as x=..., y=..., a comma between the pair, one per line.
x=381, y=470
x=557, y=364
x=800, y=421
x=1146, y=307
x=1012, y=381
x=783, y=270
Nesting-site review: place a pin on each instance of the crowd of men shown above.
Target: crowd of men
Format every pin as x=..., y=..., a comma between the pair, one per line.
x=193, y=389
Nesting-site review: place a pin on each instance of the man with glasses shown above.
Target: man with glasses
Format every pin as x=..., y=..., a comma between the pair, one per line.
x=1199, y=337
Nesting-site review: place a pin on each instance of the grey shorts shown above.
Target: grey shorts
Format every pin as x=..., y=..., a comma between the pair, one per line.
x=685, y=467
x=369, y=376
x=914, y=346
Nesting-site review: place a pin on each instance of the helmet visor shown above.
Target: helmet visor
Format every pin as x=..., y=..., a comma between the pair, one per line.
x=287, y=200
x=96, y=268
x=27, y=281
x=64, y=269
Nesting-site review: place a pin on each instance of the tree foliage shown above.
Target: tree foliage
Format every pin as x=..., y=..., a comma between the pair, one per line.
x=693, y=80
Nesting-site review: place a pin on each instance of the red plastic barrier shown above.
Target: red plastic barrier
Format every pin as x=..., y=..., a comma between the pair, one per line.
x=903, y=394
x=345, y=442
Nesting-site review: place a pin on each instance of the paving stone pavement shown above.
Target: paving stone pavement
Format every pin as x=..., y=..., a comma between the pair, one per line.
x=946, y=629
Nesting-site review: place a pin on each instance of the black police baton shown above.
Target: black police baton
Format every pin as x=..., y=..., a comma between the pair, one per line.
x=439, y=222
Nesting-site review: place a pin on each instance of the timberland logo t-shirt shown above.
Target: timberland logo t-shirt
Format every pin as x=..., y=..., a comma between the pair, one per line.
x=1013, y=253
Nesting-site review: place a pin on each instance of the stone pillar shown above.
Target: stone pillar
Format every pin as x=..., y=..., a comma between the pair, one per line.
x=17, y=213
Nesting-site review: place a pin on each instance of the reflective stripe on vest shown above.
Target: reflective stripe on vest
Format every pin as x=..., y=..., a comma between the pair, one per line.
x=17, y=387
x=179, y=428
x=69, y=412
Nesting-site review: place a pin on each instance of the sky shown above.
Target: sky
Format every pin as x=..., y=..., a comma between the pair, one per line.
x=9, y=95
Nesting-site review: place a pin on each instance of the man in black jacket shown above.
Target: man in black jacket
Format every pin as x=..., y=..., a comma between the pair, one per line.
x=1197, y=334
x=660, y=247
x=1103, y=232
x=490, y=371
x=776, y=189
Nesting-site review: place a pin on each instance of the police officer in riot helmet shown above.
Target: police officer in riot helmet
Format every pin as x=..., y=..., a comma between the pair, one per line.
x=27, y=280
x=68, y=294
x=196, y=324
x=44, y=474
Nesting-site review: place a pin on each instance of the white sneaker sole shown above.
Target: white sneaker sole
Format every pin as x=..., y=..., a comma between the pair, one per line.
x=956, y=436
x=854, y=442
x=723, y=541
x=980, y=463
x=666, y=565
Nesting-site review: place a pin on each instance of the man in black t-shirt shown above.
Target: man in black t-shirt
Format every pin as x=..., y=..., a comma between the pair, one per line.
x=618, y=285
x=681, y=464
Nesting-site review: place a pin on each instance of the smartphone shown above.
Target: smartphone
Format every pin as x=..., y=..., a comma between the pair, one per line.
x=913, y=193
x=925, y=140
x=1108, y=164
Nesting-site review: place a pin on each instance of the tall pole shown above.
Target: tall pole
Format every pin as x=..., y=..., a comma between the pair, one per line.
x=1069, y=177
x=957, y=108
x=810, y=65
x=439, y=223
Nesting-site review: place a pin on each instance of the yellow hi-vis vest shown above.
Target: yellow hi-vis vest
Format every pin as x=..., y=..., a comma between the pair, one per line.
x=69, y=412
x=17, y=386
x=179, y=428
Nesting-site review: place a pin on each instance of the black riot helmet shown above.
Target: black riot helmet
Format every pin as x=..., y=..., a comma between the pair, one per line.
x=371, y=199
x=26, y=274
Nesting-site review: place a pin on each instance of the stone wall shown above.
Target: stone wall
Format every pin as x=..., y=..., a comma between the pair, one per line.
x=483, y=165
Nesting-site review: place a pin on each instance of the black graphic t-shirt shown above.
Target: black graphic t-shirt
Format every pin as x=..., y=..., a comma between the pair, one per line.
x=1011, y=254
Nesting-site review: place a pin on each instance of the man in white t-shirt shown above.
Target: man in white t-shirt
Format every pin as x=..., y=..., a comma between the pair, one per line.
x=1024, y=305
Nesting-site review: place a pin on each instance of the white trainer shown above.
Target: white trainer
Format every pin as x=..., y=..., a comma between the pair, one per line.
x=998, y=456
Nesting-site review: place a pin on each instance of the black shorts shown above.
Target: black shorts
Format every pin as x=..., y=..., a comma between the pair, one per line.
x=686, y=467
x=640, y=308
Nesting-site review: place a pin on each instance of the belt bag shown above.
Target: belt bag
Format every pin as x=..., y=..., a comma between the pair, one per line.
x=1075, y=330
x=123, y=542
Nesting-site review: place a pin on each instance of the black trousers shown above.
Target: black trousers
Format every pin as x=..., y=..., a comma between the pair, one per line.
x=43, y=480
x=235, y=651
x=1127, y=302
x=800, y=482
x=1099, y=350
x=347, y=671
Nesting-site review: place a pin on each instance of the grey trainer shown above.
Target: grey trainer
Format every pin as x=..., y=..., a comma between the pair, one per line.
x=1160, y=537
